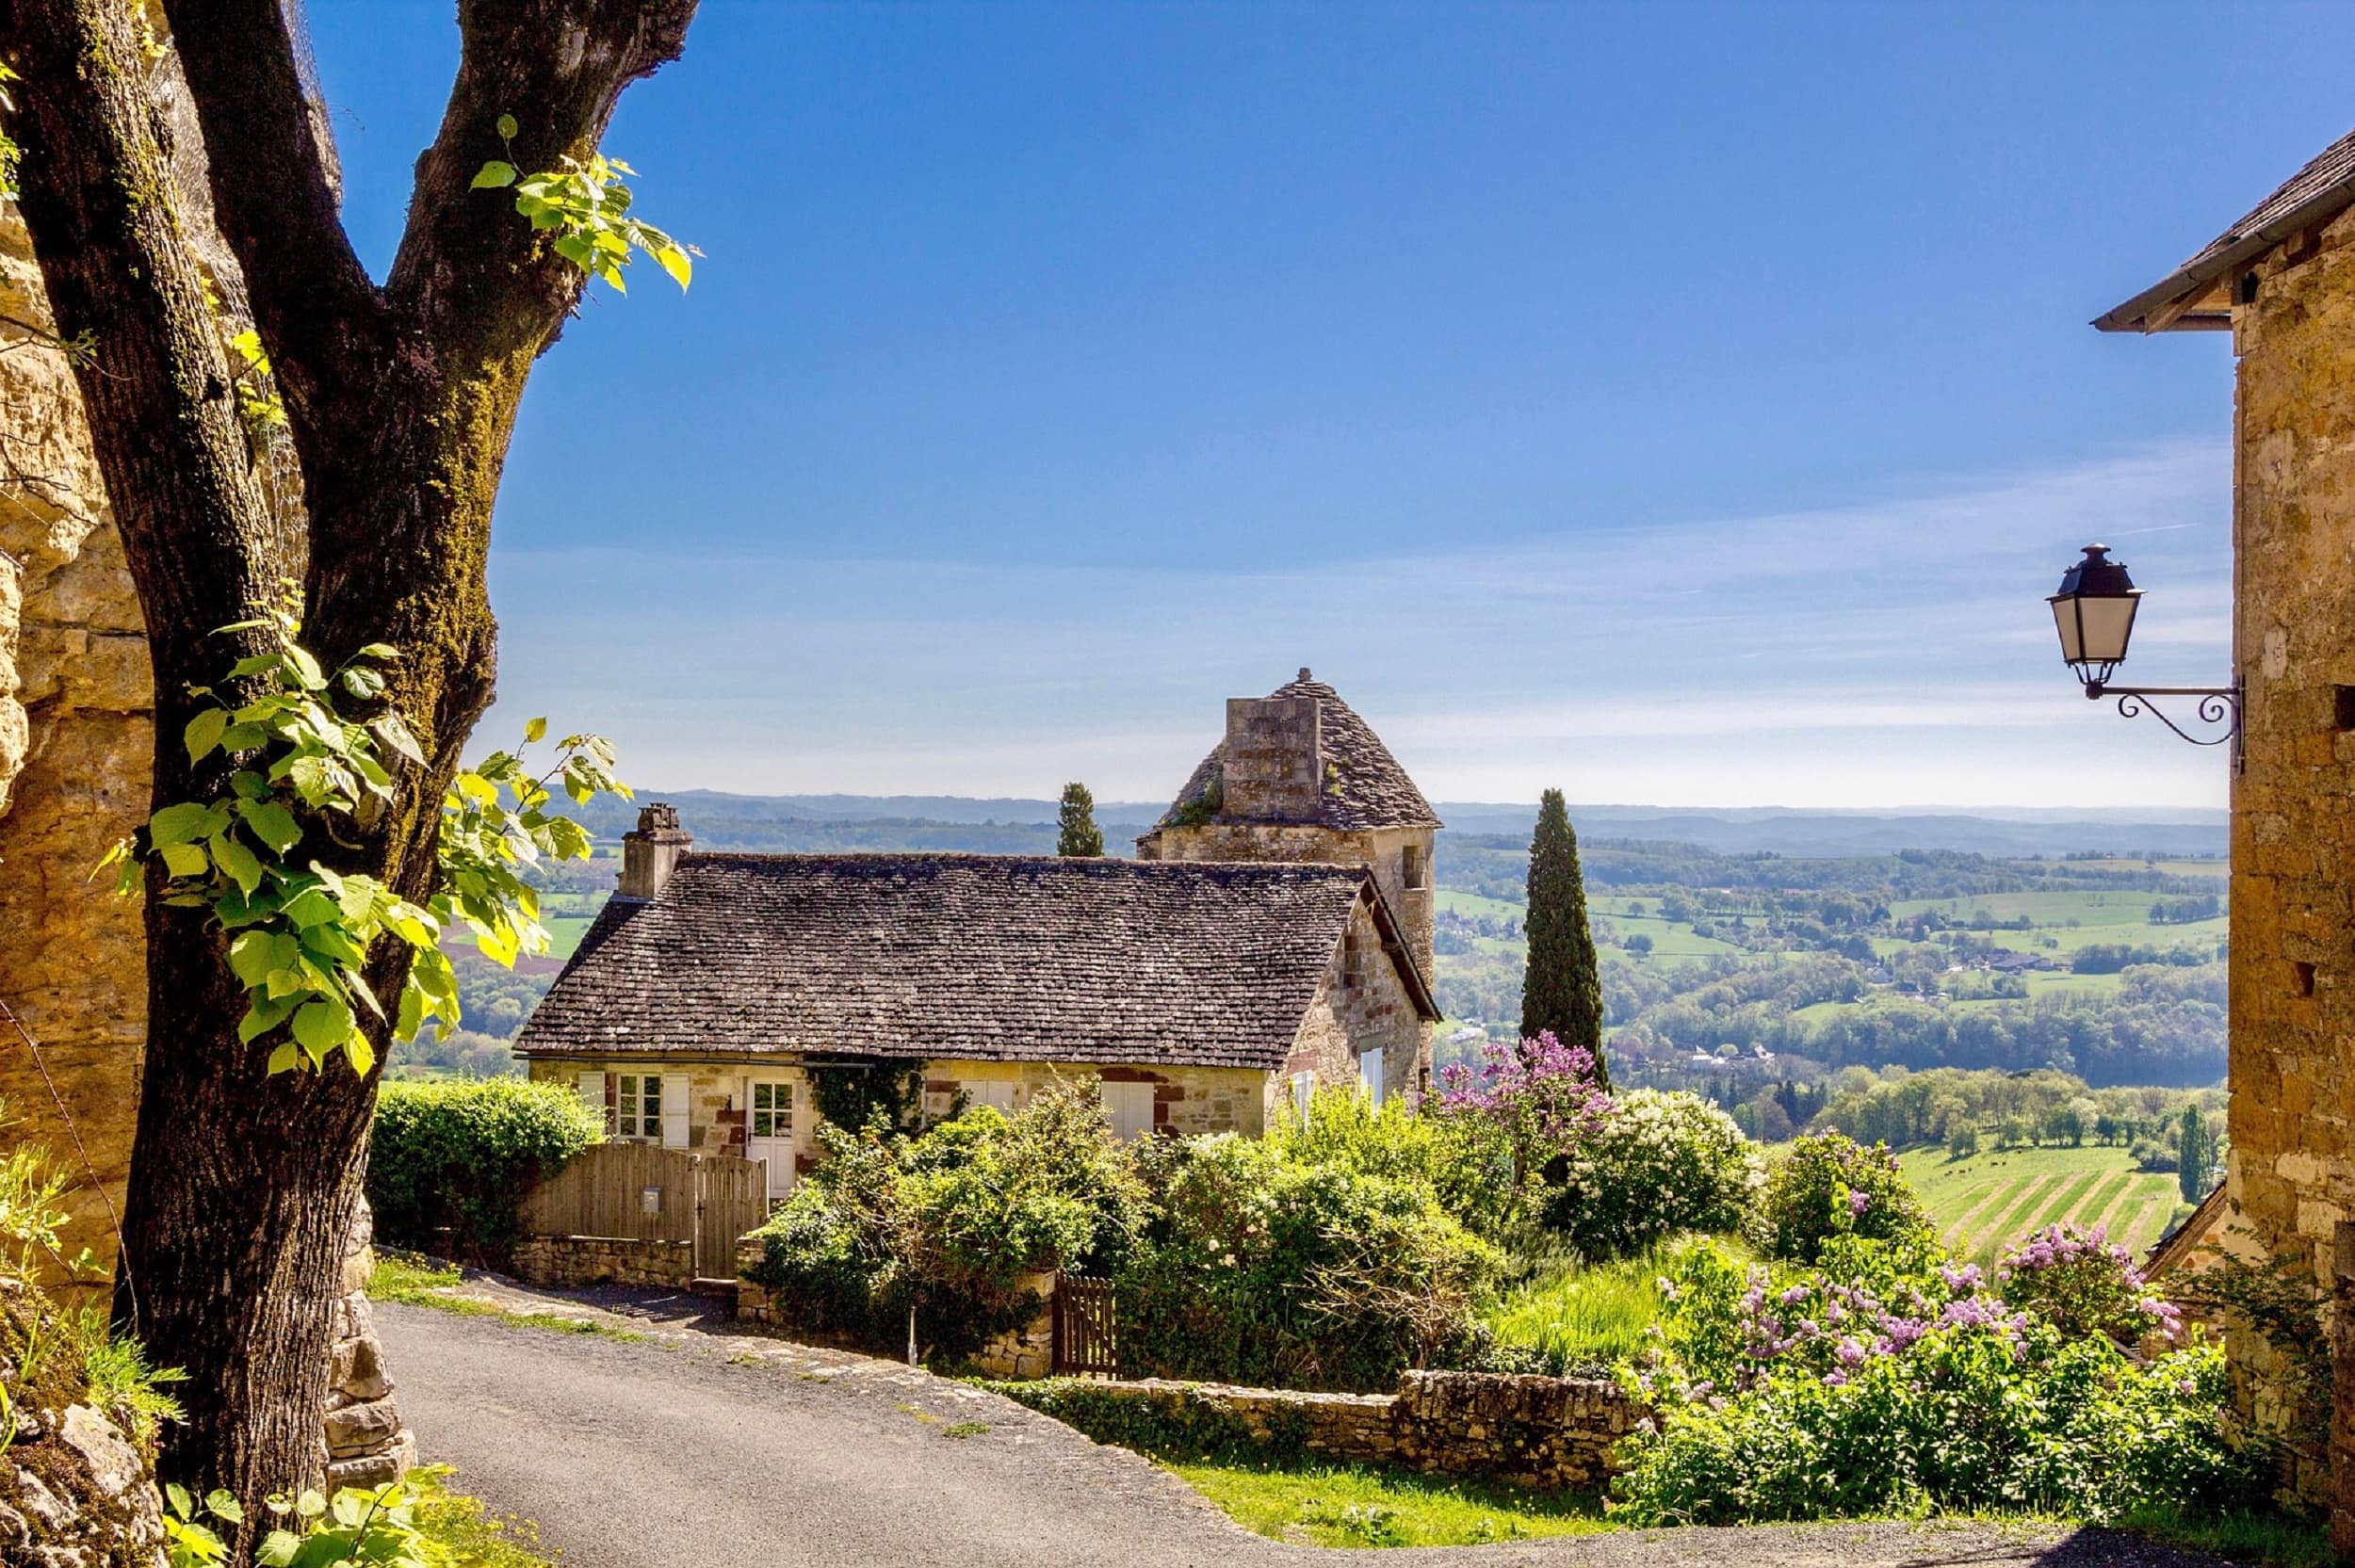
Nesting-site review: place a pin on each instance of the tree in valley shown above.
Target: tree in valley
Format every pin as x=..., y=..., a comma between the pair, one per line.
x=274, y=427
x=1080, y=834
x=2193, y=1156
x=1562, y=988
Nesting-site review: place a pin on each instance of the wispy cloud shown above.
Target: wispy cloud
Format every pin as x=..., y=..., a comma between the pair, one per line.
x=1864, y=655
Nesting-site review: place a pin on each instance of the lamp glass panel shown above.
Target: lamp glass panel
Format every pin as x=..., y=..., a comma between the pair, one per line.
x=2065, y=616
x=2106, y=624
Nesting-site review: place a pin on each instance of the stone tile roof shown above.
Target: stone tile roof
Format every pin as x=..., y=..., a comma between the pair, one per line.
x=996, y=958
x=2321, y=189
x=1364, y=786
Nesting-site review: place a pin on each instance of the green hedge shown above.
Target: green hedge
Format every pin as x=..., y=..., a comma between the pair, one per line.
x=457, y=1156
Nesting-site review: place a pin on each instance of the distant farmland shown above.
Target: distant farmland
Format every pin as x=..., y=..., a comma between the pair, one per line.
x=1985, y=1203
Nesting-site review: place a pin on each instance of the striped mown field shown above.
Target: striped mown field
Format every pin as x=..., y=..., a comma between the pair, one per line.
x=1985, y=1203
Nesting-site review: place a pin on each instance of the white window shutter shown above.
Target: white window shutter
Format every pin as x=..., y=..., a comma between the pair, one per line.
x=591, y=1087
x=1370, y=1072
x=677, y=1091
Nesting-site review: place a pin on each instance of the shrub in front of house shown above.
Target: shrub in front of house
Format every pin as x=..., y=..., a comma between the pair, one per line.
x=1889, y=1379
x=1261, y=1266
x=947, y=1224
x=1832, y=1185
x=1465, y=1161
x=447, y=1162
x=1655, y=1164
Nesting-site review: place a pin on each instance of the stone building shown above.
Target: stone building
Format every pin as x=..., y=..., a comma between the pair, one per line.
x=1203, y=997
x=1299, y=776
x=2281, y=280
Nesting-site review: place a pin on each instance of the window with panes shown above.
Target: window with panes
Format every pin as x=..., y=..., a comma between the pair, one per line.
x=638, y=1109
x=772, y=1110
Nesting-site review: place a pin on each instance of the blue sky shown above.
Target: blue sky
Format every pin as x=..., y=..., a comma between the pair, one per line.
x=1678, y=403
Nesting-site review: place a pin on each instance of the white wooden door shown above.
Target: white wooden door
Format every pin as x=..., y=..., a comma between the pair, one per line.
x=768, y=1130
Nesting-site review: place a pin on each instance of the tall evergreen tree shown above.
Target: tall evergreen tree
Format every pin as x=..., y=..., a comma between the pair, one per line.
x=2192, y=1157
x=1562, y=989
x=1079, y=836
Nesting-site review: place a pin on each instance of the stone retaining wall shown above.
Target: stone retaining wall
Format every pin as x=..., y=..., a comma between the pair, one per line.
x=577, y=1260
x=1546, y=1433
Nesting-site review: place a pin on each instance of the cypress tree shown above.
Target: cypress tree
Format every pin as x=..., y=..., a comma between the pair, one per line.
x=1079, y=836
x=1562, y=989
x=2191, y=1156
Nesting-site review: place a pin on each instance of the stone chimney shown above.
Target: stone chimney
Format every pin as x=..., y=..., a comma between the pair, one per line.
x=652, y=853
x=1275, y=759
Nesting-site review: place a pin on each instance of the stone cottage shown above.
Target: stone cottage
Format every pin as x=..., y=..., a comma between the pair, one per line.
x=1202, y=996
x=2281, y=280
x=1299, y=776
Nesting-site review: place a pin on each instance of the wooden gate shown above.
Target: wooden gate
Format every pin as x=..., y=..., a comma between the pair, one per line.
x=1084, y=1338
x=641, y=1192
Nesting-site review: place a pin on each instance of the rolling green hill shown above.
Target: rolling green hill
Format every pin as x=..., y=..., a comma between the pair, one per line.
x=1990, y=1200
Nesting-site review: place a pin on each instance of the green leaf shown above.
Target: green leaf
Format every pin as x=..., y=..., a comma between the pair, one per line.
x=507, y=128
x=224, y=1506
x=321, y=1024
x=306, y=668
x=261, y=1017
x=183, y=860
x=252, y=955
x=378, y=651
x=180, y=824
x=534, y=729
x=389, y=728
x=272, y=823
x=362, y=1054
x=363, y=682
x=204, y=732
x=242, y=864
x=178, y=1495
x=675, y=262
x=412, y=1015
x=310, y=907
x=493, y=176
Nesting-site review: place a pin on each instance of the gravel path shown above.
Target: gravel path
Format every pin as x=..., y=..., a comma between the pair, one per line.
x=701, y=1447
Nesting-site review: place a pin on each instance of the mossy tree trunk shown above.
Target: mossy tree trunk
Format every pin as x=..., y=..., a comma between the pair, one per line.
x=399, y=401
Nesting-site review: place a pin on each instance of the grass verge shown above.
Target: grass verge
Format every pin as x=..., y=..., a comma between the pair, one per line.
x=2257, y=1538
x=411, y=1279
x=1362, y=1506
x=465, y=1533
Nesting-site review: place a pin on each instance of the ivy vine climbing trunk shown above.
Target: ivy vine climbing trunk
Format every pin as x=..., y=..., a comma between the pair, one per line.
x=398, y=405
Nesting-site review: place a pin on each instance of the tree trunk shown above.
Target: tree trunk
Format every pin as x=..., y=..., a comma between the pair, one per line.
x=401, y=402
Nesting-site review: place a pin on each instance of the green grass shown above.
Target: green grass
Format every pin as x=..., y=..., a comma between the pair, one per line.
x=564, y=932
x=1985, y=1203
x=465, y=1533
x=2255, y=1538
x=1362, y=1506
x=411, y=1279
x=1582, y=1317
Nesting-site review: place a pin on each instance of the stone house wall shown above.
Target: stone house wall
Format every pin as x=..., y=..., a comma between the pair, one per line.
x=2292, y=1168
x=1361, y=1003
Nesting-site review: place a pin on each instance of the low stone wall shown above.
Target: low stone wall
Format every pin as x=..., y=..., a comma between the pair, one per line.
x=1546, y=1433
x=1027, y=1351
x=578, y=1260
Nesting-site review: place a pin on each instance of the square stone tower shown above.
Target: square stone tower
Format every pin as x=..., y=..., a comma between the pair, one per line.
x=1301, y=777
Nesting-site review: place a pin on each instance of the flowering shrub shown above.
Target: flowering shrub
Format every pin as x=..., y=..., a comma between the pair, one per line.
x=1651, y=1164
x=1830, y=1186
x=2082, y=1283
x=1537, y=1096
x=1889, y=1379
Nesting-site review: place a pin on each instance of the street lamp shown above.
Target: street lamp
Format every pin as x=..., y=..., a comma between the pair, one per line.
x=2095, y=613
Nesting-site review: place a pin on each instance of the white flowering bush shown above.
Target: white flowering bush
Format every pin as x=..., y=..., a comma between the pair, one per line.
x=1652, y=1165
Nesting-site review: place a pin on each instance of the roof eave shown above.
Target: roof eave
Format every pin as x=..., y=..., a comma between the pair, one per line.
x=1394, y=942
x=2135, y=316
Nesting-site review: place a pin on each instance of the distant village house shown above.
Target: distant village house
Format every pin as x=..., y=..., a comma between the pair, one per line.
x=1273, y=936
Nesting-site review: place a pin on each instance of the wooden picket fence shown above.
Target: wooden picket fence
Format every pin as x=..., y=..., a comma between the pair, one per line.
x=637, y=1191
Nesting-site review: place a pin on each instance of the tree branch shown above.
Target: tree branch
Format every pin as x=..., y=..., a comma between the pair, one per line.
x=274, y=198
x=471, y=274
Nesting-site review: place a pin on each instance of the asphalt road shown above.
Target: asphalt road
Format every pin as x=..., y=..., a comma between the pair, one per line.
x=694, y=1449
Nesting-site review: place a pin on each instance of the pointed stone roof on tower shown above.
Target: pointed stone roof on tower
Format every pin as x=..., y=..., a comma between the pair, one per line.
x=1359, y=783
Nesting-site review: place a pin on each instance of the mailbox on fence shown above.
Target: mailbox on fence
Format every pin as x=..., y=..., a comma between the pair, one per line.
x=650, y=1200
